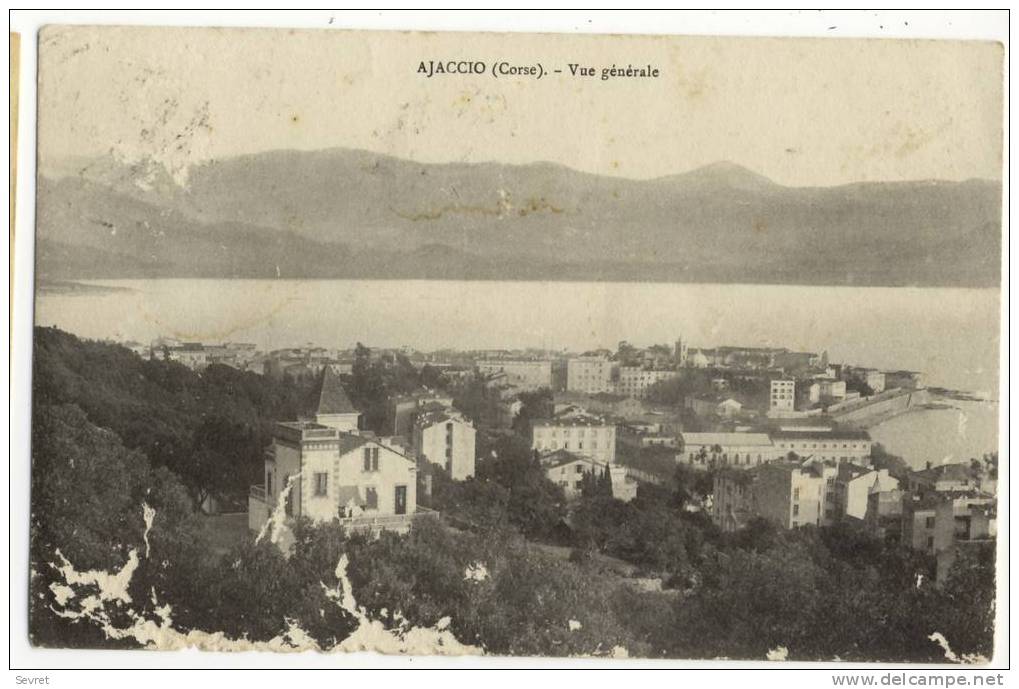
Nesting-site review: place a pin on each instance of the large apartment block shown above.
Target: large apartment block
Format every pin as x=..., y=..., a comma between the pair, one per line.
x=524, y=374
x=783, y=395
x=634, y=381
x=586, y=436
x=589, y=374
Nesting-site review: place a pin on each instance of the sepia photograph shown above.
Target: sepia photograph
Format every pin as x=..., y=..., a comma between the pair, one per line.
x=516, y=345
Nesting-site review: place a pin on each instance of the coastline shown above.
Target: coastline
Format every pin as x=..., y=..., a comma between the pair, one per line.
x=71, y=287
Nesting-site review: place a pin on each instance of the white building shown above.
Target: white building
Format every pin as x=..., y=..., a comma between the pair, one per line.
x=831, y=388
x=569, y=471
x=723, y=406
x=634, y=381
x=783, y=395
x=524, y=374
x=853, y=487
x=446, y=438
x=194, y=355
x=327, y=470
x=742, y=450
x=824, y=443
x=589, y=374
x=583, y=434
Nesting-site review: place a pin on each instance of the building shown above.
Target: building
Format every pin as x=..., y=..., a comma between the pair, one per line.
x=142, y=350
x=634, y=381
x=708, y=404
x=796, y=362
x=823, y=443
x=871, y=377
x=524, y=374
x=606, y=404
x=569, y=471
x=404, y=409
x=788, y=494
x=943, y=478
x=644, y=435
x=681, y=352
x=191, y=354
x=507, y=411
x=783, y=395
x=935, y=522
x=906, y=380
x=853, y=487
x=831, y=389
x=582, y=434
x=732, y=503
x=332, y=406
x=808, y=394
x=446, y=438
x=698, y=359
x=884, y=514
x=791, y=494
x=325, y=469
x=624, y=486
x=590, y=374
x=741, y=450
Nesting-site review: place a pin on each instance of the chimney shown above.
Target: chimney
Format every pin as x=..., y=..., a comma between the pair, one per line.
x=928, y=464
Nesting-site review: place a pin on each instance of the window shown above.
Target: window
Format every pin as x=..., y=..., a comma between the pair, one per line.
x=930, y=542
x=321, y=484
x=796, y=494
x=930, y=522
x=268, y=483
x=796, y=510
x=371, y=498
x=580, y=468
x=371, y=458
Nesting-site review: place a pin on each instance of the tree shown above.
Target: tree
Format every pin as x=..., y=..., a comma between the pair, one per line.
x=880, y=458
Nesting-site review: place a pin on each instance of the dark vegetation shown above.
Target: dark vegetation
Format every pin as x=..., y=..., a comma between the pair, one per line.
x=112, y=432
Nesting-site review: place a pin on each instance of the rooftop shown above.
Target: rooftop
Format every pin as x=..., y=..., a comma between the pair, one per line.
x=725, y=438
x=579, y=420
x=438, y=416
x=945, y=472
x=329, y=397
x=560, y=458
x=812, y=432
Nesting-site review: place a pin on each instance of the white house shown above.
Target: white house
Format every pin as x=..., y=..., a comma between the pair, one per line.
x=328, y=470
x=569, y=471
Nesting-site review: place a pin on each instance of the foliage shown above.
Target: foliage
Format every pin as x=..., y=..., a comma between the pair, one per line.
x=646, y=531
x=112, y=433
x=535, y=405
x=880, y=458
x=209, y=428
x=520, y=601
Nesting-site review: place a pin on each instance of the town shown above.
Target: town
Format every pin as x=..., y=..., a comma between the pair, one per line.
x=781, y=436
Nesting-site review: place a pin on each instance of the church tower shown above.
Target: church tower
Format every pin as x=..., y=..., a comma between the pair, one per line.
x=681, y=352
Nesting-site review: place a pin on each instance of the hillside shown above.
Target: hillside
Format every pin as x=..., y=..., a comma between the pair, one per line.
x=340, y=213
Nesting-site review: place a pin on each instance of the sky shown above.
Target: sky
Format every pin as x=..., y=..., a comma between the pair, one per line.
x=803, y=112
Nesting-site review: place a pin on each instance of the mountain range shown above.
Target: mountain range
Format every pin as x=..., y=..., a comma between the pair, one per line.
x=341, y=213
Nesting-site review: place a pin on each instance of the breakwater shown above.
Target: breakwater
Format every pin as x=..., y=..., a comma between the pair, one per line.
x=870, y=411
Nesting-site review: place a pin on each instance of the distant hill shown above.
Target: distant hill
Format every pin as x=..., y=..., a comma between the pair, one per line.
x=352, y=214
